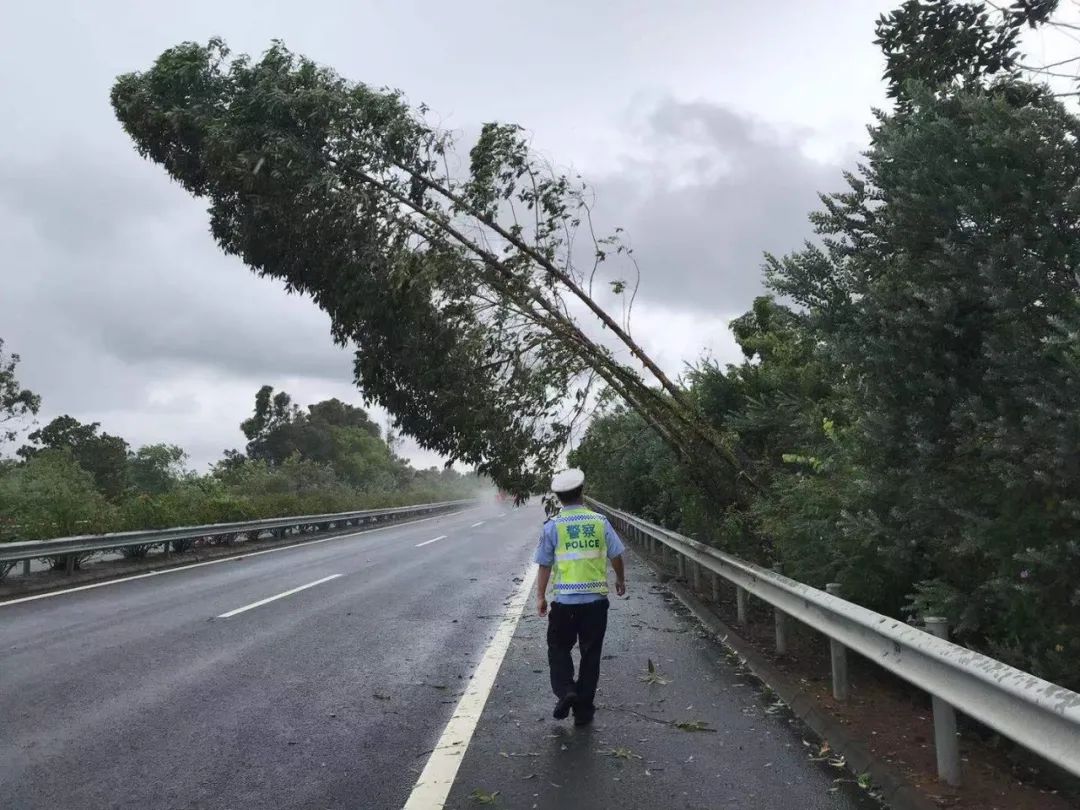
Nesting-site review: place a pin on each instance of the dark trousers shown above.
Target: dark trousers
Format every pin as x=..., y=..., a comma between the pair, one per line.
x=584, y=625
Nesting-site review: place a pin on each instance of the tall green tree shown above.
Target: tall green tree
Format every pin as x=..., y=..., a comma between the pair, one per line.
x=332, y=433
x=17, y=404
x=962, y=354
x=102, y=455
x=272, y=431
x=154, y=469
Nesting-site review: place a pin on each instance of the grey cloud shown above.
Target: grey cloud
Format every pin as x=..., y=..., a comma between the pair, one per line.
x=715, y=191
x=77, y=201
x=129, y=268
x=112, y=290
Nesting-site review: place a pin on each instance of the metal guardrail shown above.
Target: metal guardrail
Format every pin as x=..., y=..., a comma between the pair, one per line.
x=1037, y=714
x=72, y=547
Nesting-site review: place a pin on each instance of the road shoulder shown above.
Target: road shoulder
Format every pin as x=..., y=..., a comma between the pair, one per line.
x=737, y=745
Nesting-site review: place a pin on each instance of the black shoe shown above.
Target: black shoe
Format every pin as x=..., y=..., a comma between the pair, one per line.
x=562, y=708
x=583, y=718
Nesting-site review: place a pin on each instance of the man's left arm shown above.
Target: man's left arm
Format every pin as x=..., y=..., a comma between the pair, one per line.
x=620, y=575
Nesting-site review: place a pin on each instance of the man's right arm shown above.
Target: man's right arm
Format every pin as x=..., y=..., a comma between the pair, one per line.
x=543, y=576
x=545, y=558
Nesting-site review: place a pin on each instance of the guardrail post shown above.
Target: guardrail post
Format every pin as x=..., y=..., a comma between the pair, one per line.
x=838, y=653
x=946, y=745
x=26, y=568
x=681, y=563
x=696, y=570
x=69, y=564
x=780, y=619
x=740, y=604
x=716, y=588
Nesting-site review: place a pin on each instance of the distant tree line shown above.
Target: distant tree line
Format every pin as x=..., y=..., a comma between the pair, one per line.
x=71, y=477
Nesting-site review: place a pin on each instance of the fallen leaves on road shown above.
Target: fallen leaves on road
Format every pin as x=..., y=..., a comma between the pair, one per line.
x=694, y=725
x=621, y=752
x=776, y=708
x=652, y=675
x=482, y=797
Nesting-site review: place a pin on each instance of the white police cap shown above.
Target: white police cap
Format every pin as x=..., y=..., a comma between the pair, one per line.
x=567, y=480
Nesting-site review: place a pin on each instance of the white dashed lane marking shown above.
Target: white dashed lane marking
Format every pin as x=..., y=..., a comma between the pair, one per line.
x=432, y=540
x=277, y=596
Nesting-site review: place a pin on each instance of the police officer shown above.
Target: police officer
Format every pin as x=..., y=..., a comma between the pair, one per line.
x=573, y=552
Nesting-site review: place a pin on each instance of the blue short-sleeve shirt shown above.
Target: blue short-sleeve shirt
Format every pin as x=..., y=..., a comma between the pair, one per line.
x=545, y=555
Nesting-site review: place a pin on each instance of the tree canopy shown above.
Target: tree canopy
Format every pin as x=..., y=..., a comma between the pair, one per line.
x=331, y=433
x=102, y=455
x=457, y=285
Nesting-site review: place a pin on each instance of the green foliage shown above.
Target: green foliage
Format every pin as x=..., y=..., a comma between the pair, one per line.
x=331, y=433
x=937, y=43
x=156, y=468
x=911, y=414
x=17, y=404
x=336, y=462
x=51, y=495
x=104, y=456
x=457, y=292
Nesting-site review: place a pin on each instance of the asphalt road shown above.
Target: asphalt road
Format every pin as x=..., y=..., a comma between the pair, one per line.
x=750, y=754
x=136, y=695
x=198, y=689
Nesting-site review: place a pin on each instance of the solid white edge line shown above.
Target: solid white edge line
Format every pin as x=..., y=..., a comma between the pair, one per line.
x=433, y=540
x=277, y=596
x=233, y=558
x=438, y=776
x=478, y=523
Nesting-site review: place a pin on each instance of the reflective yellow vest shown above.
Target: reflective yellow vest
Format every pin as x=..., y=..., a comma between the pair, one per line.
x=580, y=552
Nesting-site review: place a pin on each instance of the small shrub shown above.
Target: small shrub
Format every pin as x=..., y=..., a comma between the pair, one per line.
x=136, y=552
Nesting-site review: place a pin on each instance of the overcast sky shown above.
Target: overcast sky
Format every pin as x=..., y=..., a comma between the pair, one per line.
x=707, y=128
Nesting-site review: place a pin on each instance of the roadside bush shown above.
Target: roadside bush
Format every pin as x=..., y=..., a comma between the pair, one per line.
x=144, y=512
x=52, y=496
